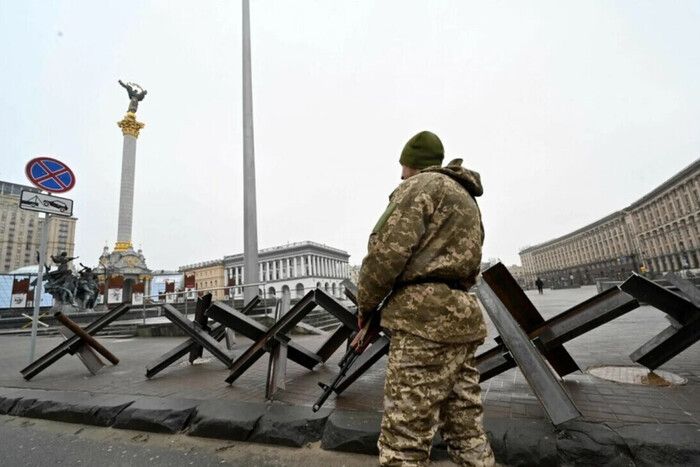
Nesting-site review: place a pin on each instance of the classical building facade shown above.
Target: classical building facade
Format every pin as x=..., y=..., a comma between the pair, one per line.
x=656, y=234
x=294, y=268
x=207, y=275
x=20, y=231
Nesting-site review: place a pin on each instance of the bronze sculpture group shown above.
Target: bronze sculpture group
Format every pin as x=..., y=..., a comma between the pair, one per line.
x=68, y=288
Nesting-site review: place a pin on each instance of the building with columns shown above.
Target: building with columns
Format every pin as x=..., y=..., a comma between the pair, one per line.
x=295, y=268
x=656, y=234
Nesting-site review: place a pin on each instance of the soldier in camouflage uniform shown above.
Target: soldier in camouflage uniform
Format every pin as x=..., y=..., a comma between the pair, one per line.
x=424, y=254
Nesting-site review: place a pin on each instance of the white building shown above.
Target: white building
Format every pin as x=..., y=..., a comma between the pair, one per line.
x=161, y=276
x=295, y=268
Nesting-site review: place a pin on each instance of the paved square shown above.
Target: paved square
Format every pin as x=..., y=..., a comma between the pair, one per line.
x=506, y=395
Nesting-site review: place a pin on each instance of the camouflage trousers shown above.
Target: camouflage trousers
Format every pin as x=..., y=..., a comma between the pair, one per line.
x=431, y=386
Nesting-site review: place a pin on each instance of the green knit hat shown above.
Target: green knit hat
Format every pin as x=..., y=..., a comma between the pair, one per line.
x=423, y=150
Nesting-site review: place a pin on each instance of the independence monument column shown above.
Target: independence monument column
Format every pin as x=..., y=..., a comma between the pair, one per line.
x=130, y=128
x=124, y=271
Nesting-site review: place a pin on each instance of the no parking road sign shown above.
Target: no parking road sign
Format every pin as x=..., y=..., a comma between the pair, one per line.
x=50, y=174
x=40, y=202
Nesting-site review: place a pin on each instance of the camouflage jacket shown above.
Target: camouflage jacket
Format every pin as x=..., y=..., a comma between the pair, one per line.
x=426, y=251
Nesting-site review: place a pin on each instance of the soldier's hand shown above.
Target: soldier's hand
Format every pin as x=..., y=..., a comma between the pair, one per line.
x=360, y=321
x=358, y=342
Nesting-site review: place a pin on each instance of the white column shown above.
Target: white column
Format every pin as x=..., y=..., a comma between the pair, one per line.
x=126, y=192
x=309, y=269
x=260, y=272
x=250, y=216
x=296, y=270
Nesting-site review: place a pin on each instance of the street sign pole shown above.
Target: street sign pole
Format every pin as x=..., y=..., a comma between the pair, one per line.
x=53, y=176
x=39, y=283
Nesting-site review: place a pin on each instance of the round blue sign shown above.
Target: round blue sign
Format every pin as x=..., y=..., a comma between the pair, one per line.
x=50, y=175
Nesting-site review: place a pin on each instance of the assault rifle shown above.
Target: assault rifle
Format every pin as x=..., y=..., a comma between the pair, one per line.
x=364, y=337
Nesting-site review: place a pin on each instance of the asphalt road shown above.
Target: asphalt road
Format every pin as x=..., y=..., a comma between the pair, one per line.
x=33, y=442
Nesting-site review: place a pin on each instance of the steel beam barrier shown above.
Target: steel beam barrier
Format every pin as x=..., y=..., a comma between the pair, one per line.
x=248, y=327
x=679, y=308
x=277, y=362
x=548, y=389
x=521, y=308
x=347, y=318
x=686, y=287
x=563, y=327
x=280, y=328
x=682, y=312
x=72, y=344
x=85, y=353
x=200, y=318
x=217, y=332
x=200, y=336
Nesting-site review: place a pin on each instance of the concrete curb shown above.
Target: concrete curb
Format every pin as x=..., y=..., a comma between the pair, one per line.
x=157, y=414
x=226, y=419
x=64, y=406
x=515, y=441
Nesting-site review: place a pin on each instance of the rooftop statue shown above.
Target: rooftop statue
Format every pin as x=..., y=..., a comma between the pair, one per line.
x=136, y=95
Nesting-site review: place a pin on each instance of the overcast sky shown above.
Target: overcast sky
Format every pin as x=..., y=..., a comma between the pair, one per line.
x=569, y=110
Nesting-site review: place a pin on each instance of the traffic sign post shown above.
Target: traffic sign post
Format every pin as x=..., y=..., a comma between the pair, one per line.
x=39, y=284
x=52, y=175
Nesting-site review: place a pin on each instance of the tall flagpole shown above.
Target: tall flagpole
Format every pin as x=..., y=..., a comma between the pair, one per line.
x=250, y=217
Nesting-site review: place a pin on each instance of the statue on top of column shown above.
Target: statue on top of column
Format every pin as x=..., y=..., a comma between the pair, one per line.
x=136, y=95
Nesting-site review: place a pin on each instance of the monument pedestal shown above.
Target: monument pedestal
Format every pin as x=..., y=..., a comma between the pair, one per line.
x=124, y=268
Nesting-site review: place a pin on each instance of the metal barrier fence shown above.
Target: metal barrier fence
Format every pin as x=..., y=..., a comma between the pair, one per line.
x=188, y=298
x=8, y=301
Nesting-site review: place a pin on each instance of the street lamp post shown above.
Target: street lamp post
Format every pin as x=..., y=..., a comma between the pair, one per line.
x=250, y=218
